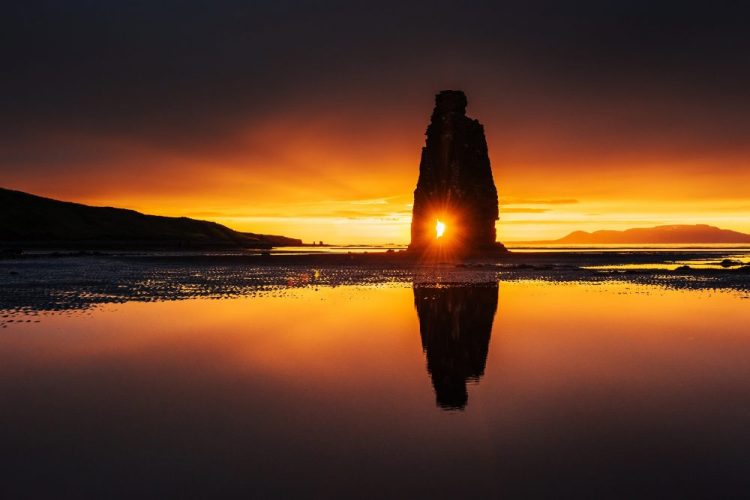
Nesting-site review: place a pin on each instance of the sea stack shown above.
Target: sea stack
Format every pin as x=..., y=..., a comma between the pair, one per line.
x=455, y=202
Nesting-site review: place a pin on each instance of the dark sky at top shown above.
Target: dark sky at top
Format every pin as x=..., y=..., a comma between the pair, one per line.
x=103, y=65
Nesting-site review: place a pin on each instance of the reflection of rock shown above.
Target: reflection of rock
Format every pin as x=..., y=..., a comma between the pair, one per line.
x=455, y=181
x=455, y=324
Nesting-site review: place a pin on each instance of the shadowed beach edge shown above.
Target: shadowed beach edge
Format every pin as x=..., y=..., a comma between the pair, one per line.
x=50, y=282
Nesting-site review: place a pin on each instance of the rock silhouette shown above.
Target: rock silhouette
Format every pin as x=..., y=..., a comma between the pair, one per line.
x=455, y=324
x=29, y=221
x=455, y=183
x=672, y=234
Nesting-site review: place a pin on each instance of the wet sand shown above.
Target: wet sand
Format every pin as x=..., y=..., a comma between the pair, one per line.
x=63, y=281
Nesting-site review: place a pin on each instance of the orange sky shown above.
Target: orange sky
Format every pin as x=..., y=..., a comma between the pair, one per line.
x=332, y=180
x=308, y=121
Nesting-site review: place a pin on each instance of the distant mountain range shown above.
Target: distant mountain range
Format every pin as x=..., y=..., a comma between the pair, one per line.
x=30, y=221
x=698, y=233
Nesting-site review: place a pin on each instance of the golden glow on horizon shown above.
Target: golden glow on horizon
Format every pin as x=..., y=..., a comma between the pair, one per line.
x=387, y=219
x=439, y=229
x=338, y=187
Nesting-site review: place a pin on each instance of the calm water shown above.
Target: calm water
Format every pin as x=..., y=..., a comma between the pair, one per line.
x=512, y=390
x=521, y=248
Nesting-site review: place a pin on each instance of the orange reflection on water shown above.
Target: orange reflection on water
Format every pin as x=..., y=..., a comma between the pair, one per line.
x=289, y=338
x=581, y=383
x=547, y=340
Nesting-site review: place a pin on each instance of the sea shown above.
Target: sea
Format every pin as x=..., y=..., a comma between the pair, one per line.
x=120, y=379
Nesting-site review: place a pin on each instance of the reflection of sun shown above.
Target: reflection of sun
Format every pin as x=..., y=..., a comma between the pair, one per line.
x=439, y=229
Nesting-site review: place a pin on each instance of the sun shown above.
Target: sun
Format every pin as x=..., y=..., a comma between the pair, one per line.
x=439, y=229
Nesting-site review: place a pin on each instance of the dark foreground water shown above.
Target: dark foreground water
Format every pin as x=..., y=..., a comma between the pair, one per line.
x=527, y=388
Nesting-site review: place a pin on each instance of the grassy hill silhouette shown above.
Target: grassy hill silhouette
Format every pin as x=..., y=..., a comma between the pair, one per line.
x=33, y=221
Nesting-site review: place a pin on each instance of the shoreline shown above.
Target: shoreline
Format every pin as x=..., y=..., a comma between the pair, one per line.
x=395, y=258
x=78, y=281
